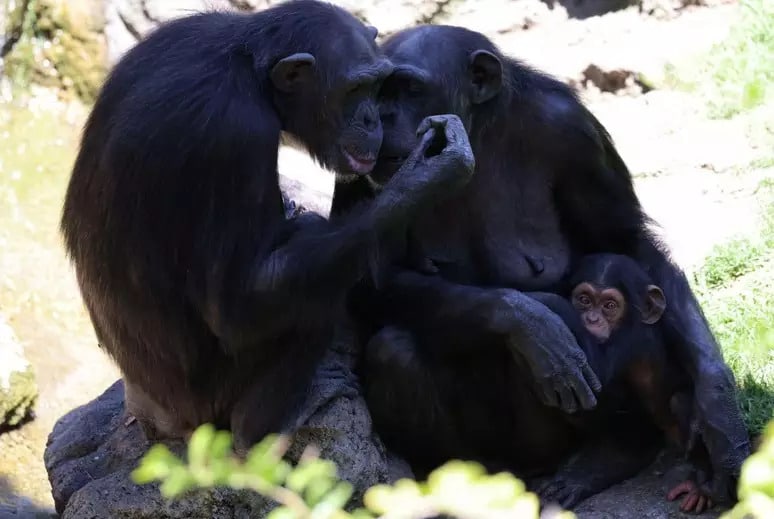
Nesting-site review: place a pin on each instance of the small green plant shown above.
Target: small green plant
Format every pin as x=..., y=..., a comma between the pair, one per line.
x=756, y=484
x=312, y=490
x=740, y=69
x=735, y=287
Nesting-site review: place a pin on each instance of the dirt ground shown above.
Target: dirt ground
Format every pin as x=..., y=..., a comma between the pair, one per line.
x=694, y=176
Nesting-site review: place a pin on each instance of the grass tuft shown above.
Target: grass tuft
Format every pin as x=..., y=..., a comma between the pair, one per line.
x=736, y=289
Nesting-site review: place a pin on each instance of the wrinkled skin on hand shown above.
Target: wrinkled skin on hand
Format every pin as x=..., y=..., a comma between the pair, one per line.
x=430, y=170
x=561, y=371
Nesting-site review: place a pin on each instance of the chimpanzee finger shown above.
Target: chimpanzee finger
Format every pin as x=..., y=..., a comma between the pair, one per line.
x=689, y=502
x=547, y=394
x=592, y=378
x=424, y=144
x=455, y=132
x=570, y=498
x=567, y=398
x=681, y=488
x=584, y=394
x=550, y=491
x=700, y=505
x=433, y=121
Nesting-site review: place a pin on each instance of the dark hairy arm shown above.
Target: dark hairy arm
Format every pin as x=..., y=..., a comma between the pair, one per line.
x=319, y=260
x=455, y=319
x=599, y=207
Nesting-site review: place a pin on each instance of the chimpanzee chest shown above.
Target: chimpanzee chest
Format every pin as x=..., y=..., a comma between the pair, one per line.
x=508, y=237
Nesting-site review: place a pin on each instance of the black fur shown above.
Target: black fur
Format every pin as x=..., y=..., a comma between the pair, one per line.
x=549, y=188
x=215, y=307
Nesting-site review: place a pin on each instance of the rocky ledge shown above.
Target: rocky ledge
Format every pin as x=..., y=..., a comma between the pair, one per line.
x=92, y=451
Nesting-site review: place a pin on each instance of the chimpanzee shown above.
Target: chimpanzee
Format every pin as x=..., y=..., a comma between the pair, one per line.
x=550, y=188
x=215, y=307
x=614, y=310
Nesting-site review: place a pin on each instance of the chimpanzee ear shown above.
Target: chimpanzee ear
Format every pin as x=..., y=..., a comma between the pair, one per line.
x=292, y=72
x=372, y=31
x=486, y=73
x=655, y=304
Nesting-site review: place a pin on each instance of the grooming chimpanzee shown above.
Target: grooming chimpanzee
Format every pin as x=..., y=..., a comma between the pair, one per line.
x=550, y=187
x=215, y=307
x=614, y=310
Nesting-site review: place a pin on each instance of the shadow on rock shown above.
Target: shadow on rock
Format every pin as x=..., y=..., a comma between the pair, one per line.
x=643, y=496
x=13, y=505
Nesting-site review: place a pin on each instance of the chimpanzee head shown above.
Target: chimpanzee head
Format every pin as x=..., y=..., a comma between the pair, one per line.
x=325, y=85
x=439, y=69
x=613, y=292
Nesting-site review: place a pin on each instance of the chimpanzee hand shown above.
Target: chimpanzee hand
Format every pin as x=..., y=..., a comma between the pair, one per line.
x=441, y=163
x=561, y=370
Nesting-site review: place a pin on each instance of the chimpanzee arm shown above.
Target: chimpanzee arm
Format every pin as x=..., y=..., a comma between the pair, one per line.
x=600, y=212
x=459, y=318
x=302, y=277
x=716, y=406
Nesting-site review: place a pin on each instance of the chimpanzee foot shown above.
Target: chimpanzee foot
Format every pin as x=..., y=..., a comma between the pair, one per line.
x=694, y=501
x=564, y=489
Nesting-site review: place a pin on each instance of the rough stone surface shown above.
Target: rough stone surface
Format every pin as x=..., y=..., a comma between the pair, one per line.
x=642, y=497
x=91, y=453
x=18, y=389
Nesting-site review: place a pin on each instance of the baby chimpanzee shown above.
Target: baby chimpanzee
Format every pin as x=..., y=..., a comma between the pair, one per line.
x=616, y=314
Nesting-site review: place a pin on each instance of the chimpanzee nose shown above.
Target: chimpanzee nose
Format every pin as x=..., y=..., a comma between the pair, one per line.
x=370, y=120
x=592, y=318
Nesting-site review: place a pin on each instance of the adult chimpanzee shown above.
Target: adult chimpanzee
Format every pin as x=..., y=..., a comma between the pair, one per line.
x=550, y=187
x=614, y=310
x=215, y=307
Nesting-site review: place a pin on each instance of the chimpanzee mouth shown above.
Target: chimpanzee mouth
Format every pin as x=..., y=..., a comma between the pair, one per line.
x=362, y=164
x=394, y=159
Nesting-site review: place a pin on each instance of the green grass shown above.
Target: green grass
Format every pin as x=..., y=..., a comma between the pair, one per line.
x=736, y=289
x=737, y=74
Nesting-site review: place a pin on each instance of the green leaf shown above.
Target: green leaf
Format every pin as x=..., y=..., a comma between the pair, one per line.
x=157, y=464
x=221, y=445
x=199, y=446
x=309, y=471
x=337, y=498
x=361, y=513
x=177, y=482
x=282, y=513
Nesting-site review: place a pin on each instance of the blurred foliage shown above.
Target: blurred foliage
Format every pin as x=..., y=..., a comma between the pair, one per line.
x=58, y=43
x=756, y=484
x=312, y=490
x=740, y=68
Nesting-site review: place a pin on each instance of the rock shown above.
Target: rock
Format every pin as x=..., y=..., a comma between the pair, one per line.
x=18, y=389
x=616, y=80
x=91, y=453
x=58, y=43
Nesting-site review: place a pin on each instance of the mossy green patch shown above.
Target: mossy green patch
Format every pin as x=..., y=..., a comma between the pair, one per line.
x=59, y=43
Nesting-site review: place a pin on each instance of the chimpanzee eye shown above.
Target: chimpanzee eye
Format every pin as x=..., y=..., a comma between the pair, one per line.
x=611, y=305
x=584, y=300
x=414, y=87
